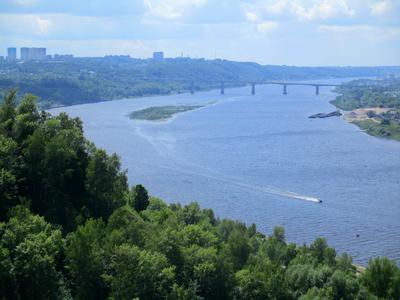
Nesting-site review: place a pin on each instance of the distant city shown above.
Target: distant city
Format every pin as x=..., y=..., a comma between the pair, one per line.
x=32, y=53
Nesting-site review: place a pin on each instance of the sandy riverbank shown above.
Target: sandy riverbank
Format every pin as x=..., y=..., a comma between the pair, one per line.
x=361, y=114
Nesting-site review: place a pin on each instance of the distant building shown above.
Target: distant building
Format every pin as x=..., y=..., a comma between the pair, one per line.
x=12, y=54
x=25, y=53
x=159, y=56
x=63, y=56
x=118, y=57
x=33, y=53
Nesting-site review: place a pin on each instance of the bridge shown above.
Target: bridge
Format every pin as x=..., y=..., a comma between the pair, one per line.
x=284, y=85
x=191, y=84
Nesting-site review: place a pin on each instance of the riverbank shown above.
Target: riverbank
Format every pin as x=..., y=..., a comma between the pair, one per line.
x=373, y=105
x=374, y=121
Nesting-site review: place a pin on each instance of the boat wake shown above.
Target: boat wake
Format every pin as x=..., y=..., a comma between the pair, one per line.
x=214, y=175
x=164, y=147
x=300, y=197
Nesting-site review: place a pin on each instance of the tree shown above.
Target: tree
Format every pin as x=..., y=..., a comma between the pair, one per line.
x=126, y=226
x=279, y=234
x=27, y=118
x=250, y=285
x=343, y=286
x=139, y=198
x=139, y=273
x=105, y=183
x=200, y=265
x=8, y=113
x=185, y=293
x=8, y=178
x=85, y=256
x=34, y=250
x=320, y=250
x=380, y=278
x=239, y=248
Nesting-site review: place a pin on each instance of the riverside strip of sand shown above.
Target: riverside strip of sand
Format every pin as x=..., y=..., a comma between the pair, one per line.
x=361, y=114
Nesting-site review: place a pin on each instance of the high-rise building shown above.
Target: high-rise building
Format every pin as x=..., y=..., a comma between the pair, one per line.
x=24, y=53
x=11, y=54
x=159, y=56
x=33, y=53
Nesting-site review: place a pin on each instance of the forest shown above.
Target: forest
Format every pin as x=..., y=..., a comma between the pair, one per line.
x=84, y=80
x=364, y=93
x=72, y=228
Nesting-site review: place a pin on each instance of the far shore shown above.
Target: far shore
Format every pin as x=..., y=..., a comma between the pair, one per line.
x=371, y=124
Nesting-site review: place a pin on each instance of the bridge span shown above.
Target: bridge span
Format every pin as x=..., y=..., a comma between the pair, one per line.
x=191, y=84
x=284, y=85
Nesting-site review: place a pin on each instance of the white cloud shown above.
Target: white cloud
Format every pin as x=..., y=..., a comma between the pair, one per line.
x=252, y=17
x=266, y=26
x=362, y=30
x=262, y=26
x=380, y=8
x=25, y=24
x=171, y=9
x=323, y=9
x=42, y=25
x=300, y=10
x=278, y=7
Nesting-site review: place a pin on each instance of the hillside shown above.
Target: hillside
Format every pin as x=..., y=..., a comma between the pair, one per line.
x=71, y=228
x=83, y=80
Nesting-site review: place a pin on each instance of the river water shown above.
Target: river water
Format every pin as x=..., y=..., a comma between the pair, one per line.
x=260, y=159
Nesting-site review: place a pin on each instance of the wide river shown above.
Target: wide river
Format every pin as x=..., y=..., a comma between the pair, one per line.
x=260, y=159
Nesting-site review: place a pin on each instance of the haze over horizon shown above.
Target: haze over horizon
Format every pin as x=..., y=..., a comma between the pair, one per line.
x=278, y=32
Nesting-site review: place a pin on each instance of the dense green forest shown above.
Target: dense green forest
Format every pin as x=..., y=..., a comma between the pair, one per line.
x=83, y=80
x=373, y=93
x=71, y=228
x=364, y=93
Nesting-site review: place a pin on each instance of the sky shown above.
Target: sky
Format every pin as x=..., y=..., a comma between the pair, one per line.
x=277, y=32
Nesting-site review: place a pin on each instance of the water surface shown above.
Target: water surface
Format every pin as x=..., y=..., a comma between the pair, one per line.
x=259, y=159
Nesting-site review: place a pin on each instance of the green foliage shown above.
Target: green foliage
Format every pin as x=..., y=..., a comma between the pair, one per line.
x=382, y=278
x=384, y=129
x=383, y=93
x=84, y=80
x=138, y=273
x=8, y=113
x=85, y=260
x=161, y=112
x=82, y=234
x=139, y=198
x=368, y=93
x=48, y=161
x=105, y=184
x=31, y=253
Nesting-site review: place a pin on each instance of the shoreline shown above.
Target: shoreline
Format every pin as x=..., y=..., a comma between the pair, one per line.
x=162, y=113
x=141, y=97
x=341, y=79
x=370, y=124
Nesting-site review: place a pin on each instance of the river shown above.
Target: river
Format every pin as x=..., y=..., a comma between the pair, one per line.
x=260, y=159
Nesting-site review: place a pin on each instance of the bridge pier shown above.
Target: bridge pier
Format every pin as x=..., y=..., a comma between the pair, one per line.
x=192, y=87
x=222, y=88
x=285, y=89
x=317, y=90
x=253, y=88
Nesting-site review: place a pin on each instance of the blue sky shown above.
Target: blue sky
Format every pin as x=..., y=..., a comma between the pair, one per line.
x=296, y=32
